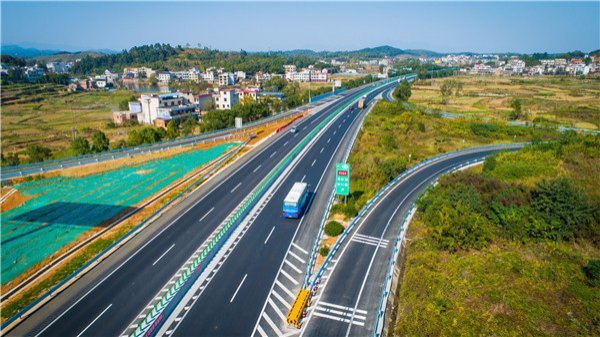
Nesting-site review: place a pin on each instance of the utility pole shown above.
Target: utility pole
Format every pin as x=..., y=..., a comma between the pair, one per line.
x=309, y=90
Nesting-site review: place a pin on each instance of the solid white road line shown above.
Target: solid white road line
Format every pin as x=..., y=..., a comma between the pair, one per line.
x=340, y=313
x=297, y=257
x=286, y=290
x=238, y=288
x=268, y=236
x=300, y=248
x=282, y=300
x=342, y=307
x=271, y=324
x=289, y=277
x=163, y=254
x=207, y=213
x=260, y=329
x=313, y=163
x=277, y=311
x=236, y=186
x=335, y=318
x=293, y=267
x=256, y=169
x=95, y=319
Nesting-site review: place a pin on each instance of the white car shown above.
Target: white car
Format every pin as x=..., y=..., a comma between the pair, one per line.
x=293, y=129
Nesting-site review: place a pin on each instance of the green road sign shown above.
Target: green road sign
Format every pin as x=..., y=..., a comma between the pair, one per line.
x=342, y=179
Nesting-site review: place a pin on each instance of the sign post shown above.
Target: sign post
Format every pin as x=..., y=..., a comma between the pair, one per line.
x=342, y=179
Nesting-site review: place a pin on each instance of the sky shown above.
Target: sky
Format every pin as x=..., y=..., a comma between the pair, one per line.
x=523, y=27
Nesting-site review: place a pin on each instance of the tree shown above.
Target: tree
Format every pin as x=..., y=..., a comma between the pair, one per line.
x=517, y=107
x=38, y=153
x=153, y=80
x=403, y=91
x=172, y=129
x=80, y=146
x=188, y=126
x=11, y=159
x=99, y=142
x=446, y=91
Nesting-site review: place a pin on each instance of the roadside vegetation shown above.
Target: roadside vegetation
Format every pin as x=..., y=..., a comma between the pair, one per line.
x=558, y=100
x=510, y=248
x=396, y=135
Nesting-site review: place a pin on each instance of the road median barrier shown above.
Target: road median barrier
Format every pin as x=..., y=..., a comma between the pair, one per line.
x=155, y=318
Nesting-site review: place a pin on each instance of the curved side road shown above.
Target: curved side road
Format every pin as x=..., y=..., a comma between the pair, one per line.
x=347, y=299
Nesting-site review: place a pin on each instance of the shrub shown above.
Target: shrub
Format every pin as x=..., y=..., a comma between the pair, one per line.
x=592, y=272
x=80, y=146
x=324, y=250
x=563, y=206
x=38, y=153
x=333, y=228
x=454, y=224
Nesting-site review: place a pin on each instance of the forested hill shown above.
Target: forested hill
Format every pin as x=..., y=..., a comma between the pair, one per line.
x=164, y=56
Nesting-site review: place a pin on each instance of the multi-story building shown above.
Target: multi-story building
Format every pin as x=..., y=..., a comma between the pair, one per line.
x=261, y=77
x=33, y=73
x=209, y=76
x=164, y=76
x=244, y=93
x=225, y=99
x=165, y=107
x=58, y=67
x=226, y=79
x=240, y=75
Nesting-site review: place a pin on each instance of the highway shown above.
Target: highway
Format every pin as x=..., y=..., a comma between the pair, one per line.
x=119, y=288
x=243, y=281
x=347, y=300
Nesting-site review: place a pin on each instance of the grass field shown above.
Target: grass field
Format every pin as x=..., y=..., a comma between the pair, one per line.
x=46, y=113
x=395, y=137
x=60, y=209
x=569, y=101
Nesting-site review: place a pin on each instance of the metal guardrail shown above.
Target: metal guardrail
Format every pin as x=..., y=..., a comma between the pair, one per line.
x=398, y=240
x=155, y=318
x=389, y=185
x=23, y=313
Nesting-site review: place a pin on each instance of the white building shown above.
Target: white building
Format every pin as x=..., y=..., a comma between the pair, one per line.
x=225, y=99
x=164, y=76
x=252, y=93
x=164, y=107
x=240, y=75
x=58, y=67
x=209, y=76
x=226, y=79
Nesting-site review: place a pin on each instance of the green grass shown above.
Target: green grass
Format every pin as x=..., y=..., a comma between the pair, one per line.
x=395, y=137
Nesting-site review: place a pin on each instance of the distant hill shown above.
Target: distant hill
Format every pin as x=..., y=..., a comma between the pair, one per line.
x=18, y=51
x=375, y=52
x=65, y=57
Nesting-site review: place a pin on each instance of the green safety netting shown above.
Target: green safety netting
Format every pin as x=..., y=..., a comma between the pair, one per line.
x=62, y=208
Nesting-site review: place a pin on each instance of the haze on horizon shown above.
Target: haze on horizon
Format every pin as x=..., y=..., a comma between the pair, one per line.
x=522, y=27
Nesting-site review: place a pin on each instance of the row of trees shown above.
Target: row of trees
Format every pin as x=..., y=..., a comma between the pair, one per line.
x=80, y=145
x=16, y=75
